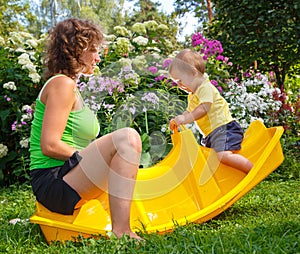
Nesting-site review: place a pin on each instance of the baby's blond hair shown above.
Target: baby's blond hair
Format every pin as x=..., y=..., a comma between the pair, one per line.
x=189, y=61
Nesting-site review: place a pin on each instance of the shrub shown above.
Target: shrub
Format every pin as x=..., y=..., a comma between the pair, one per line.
x=132, y=88
x=20, y=82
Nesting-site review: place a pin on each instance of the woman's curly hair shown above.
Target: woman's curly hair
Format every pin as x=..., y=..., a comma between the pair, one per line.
x=65, y=45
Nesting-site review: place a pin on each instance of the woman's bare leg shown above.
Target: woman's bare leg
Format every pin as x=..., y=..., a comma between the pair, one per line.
x=112, y=159
x=235, y=160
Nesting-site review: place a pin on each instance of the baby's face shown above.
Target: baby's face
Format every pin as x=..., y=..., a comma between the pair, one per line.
x=183, y=80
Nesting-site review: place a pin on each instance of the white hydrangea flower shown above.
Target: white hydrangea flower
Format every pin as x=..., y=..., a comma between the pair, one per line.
x=35, y=77
x=10, y=86
x=31, y=43
x=26, y=108
x=2, y=41
x=3, y=150
x=156, y=49
x=26, y=117
x=139, y=28
x=151, y=25
x=122, y=45
x=15, y=38
x=140, y=40
x=24, y=142
x=21, y=50
x=169, y=44
x=121, y=30
x=162, y=27
x=125, y=62
x=140, y=62
x=110, y=37
x=163, y=72
x=24, y=59
x=29, y=66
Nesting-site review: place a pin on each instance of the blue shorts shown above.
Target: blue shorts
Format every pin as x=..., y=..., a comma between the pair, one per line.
x=227, y=137
x=52, y=191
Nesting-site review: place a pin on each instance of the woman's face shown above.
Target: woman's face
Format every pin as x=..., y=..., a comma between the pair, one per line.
x=90, y=57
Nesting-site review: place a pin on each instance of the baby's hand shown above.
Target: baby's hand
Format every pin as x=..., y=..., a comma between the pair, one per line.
x=173, y=125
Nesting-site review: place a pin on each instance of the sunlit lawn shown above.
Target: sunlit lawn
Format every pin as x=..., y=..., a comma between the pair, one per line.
x=266, y=220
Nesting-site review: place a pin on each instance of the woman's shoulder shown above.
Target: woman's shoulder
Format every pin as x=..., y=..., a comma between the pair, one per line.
x=61, y=81
x=58, y=85
x=59, y=77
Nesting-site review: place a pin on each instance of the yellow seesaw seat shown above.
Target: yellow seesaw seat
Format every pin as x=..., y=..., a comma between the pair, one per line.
x=189, y=185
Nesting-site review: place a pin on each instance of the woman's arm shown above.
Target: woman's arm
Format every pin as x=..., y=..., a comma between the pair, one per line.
x=59, y=98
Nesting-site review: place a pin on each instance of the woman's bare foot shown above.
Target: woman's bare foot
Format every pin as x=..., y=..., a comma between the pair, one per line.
x=131, y=235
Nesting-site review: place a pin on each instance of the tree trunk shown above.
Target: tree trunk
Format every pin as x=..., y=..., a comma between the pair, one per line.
x=209, y=10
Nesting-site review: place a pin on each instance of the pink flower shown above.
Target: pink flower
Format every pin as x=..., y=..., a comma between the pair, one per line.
x=166, y=63
x=152, y=69
x=214, y=82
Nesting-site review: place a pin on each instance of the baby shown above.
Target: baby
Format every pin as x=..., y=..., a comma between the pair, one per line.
x=209, y=109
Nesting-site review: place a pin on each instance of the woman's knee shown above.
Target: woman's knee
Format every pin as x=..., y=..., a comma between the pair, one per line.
x=128, y=143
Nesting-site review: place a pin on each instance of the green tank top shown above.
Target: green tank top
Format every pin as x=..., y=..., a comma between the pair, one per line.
x=82, y=127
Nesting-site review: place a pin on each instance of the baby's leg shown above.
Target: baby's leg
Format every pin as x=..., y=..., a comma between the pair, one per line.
x=235, y=160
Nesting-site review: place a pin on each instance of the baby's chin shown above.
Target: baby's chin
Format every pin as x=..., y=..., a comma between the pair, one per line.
x=185, y=89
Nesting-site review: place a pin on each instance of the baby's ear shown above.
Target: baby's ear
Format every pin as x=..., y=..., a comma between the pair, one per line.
x=196, y=72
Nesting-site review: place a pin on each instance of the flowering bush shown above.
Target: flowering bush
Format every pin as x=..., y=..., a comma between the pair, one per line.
x=20, y=82
x=217, y=65
x=254, y=97
x=132, y=88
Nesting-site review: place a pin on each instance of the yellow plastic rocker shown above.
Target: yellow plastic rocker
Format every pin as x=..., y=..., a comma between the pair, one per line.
x=188, y=185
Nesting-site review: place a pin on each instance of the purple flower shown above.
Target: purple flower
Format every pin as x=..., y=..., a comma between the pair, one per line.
x=247, y=74
x=152, y=69
x=132, y=110
x=220, y=89
x=220, y=58
x=214, y=82
x=13, y=126
x=7, y=98
x=197, y=39
x=159, y=78
x=166, y=63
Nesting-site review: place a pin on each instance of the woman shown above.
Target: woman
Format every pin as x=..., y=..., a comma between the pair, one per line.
x=68, y=165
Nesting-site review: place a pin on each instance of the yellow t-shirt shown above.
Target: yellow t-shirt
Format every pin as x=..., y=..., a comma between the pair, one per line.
x=218, y=114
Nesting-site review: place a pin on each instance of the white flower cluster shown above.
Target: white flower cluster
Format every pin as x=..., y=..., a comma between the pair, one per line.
x=20, y=39
x=3, y=150
x=251, y=99
x=139, y=62
x=122, y=31
x=24, y=142
x=24, y=60
x=152, y=25
x=140, y=40
x=139, y=28
x=2, y=41
x=10, y=86
x=122, y=46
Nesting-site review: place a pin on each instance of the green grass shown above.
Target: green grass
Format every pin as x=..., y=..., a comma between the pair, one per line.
x=266, y=220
